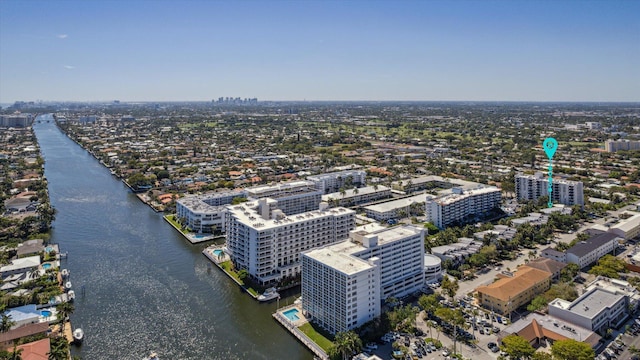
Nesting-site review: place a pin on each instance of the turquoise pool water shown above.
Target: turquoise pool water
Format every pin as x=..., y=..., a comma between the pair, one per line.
x=217, y=252
x=46, y=266
x=292, y=314
x=45, y=313
x=48, y=249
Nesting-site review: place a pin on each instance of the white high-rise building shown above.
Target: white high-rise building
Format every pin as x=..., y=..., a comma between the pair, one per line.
x=267, y=243
x=339, y=291
x=461, y=205
x=333, y=182
x=531, y=187
x=293, y=197
x=397, y=253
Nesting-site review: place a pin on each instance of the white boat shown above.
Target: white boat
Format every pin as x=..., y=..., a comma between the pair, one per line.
x=78, y=335
x=64, y=273
x=67, y=285
x=71, y=295
x=269, y=294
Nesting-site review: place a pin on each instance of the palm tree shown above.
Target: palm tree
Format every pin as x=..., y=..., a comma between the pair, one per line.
x=59, y=349
x=7, y=322
x=346, y=343
x=65, y=309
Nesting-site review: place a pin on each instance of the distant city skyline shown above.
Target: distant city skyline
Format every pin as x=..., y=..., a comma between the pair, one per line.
x=320, y=50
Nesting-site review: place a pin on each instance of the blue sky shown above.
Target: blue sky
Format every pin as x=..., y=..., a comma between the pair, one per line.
x=320, y=50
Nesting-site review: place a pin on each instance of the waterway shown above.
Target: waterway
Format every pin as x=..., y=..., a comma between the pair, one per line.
x=145, y=286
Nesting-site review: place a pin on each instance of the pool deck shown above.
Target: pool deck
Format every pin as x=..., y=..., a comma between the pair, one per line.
x=194, y=238
x=292, y=327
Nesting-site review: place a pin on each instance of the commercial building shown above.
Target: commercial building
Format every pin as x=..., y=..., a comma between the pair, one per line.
x=461, y=205
x=267, y=243
x=537, y=329
x=508, y=294
x=358, y=196
x=597, y=310
x=531, y=187
x=618, y=145
x=333, y=182
x=589, y=251
x=206, y=213
x=294, y=197
x=397, y=253
x=628, y=228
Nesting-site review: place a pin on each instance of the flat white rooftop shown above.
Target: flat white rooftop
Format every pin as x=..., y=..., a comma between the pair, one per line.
x=338, y=260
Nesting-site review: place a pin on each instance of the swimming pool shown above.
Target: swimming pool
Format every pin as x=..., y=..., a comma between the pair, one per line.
x=292, y=314
x=48, y=249
x=46, y=266
x=45, y=313
x=217, y=252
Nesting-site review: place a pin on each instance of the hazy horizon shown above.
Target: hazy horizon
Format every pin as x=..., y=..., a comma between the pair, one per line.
x=468, y=51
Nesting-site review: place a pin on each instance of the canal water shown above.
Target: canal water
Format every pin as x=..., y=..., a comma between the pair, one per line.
x=141, y=286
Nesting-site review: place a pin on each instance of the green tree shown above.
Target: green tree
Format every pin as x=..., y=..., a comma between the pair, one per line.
x=538, y=303
x=539, y=355
x=7, y=322
x=347, y=343
x=517, y=347
x=243, y=274
x=609, y=266
x=569, y=272
x=570, y=349
x=450, y=286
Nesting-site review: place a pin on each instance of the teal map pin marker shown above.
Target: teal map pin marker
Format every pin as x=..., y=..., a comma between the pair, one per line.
x=550, y=146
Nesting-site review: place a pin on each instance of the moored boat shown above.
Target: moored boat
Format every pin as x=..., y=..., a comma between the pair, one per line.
x=71, y=295
x=78, y=335
x=268, y=294
x=67, y=285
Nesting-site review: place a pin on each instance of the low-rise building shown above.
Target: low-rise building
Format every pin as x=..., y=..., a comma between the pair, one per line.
x=457, y=252
x=21, y=265
x=597, y=310
x=508, y=294
x=394, y=209
x=549, y=265
x=537, y=329
x=628, y=228
x=589, y=251
x=357, y=196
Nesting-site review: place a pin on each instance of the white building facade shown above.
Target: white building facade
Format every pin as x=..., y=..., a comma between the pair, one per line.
x=206, y=213
x=333, y=182
x=339, y=291
x=531, y=187
x=294, y=197
x=456, y=207
x=397, y=254
x=267, y=243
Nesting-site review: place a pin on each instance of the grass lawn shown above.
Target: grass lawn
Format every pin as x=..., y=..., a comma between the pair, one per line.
x=172, y=219
x=316, y=336
x=228, y=268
